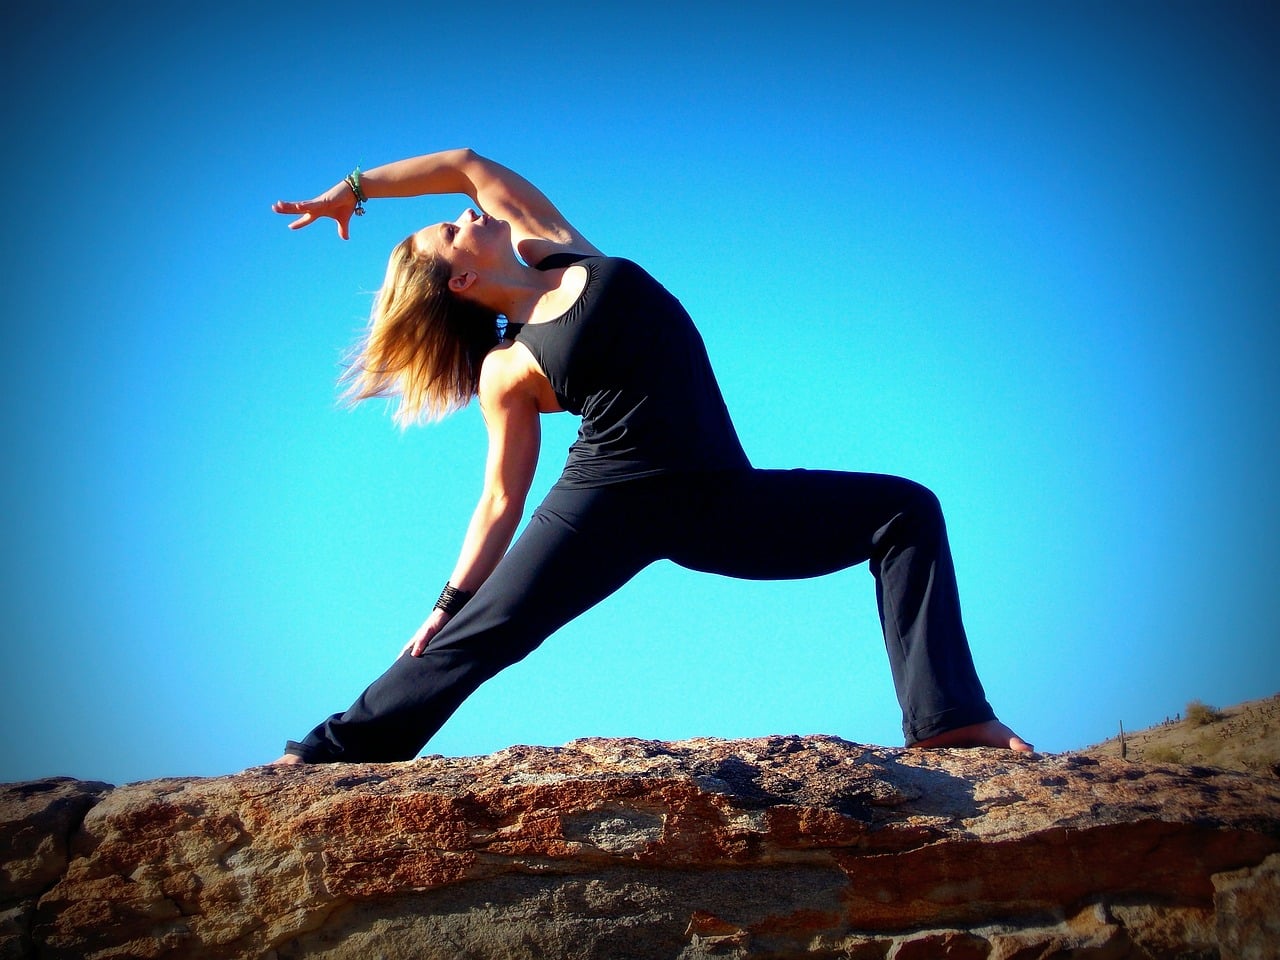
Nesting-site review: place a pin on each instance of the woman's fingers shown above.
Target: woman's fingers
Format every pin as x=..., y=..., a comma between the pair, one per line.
x=422, y=639
x=295, y=206
x=313, y=210
x=418, y=643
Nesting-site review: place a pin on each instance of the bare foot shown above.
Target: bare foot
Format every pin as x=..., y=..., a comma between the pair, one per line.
x=288, y=760
x=993, y=733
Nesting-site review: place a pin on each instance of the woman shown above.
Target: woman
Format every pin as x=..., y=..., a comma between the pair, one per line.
x=656, y=472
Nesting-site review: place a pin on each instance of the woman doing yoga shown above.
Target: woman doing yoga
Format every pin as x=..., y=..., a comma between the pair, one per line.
x=656, y=472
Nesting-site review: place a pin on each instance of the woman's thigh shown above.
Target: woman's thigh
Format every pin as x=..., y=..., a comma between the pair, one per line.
x=578, y=547
x=786, y=524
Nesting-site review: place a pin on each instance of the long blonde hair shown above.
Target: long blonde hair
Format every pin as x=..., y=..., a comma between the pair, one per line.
x=424, y=344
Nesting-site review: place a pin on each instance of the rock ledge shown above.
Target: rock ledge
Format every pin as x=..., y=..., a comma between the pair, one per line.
x=775, y=847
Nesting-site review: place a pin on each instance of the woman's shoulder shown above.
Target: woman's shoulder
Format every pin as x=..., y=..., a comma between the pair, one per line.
x=567, y=258
x=509, y=374
x=534, y=251
x=597, y=265
x=499, y=364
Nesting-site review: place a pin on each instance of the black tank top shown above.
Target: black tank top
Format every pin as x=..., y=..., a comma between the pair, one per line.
x=627, y=358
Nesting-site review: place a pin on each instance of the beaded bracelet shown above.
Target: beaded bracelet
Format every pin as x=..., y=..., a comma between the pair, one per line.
x=352, y=180
x=452, y=599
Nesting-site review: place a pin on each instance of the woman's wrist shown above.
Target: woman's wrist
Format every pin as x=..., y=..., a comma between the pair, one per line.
x=352, y=180
x=452, y=599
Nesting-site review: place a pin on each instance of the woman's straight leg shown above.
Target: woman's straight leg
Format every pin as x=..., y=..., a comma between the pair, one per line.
x=577, y=549
x=781, y=524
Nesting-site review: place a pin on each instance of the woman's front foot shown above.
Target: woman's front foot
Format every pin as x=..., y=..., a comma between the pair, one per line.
x=288, y=760
x=993, y=733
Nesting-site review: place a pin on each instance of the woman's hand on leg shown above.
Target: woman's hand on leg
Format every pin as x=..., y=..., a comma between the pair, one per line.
x=430, y=627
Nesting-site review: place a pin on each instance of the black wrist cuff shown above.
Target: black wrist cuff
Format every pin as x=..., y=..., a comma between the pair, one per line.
x=452, y=599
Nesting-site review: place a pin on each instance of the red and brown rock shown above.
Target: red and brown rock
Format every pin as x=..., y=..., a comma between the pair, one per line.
x=776, y=847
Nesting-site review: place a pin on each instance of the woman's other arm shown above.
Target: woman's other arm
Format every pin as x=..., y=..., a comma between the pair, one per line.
x=510, y=406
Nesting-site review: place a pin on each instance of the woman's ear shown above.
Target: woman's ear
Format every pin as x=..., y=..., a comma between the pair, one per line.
x=461, y=282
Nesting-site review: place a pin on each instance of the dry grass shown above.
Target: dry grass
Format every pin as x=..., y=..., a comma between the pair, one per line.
x=1244, y=737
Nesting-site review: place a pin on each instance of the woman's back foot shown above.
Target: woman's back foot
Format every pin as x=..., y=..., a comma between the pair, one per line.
x=993, y=733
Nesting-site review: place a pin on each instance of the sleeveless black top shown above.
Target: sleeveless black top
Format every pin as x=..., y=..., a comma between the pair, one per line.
x=627, y=358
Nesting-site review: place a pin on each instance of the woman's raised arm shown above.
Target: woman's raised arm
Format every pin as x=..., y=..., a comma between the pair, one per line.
x=538, y=228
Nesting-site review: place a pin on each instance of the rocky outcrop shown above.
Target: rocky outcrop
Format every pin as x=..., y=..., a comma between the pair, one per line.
x=777, y=847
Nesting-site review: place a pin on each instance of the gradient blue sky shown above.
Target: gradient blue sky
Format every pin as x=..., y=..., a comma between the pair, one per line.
x=1026, y=254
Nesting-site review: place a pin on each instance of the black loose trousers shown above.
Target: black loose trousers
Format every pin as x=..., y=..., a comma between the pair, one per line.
x=583, y=543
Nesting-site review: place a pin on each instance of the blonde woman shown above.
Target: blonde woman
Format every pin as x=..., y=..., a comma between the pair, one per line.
x=657, y=470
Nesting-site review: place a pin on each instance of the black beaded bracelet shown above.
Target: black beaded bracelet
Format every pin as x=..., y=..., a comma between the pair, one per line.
x=452, y=599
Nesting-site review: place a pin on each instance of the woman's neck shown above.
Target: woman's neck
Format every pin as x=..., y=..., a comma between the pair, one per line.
x=518, y=294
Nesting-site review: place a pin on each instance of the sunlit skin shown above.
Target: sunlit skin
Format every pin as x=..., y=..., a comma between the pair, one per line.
x=993, y=733
x=485, y=268
x=488, y=254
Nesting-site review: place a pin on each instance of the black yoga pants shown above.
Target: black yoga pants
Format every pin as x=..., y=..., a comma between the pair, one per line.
x=581, y=544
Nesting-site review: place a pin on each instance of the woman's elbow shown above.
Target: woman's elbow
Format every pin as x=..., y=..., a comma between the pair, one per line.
x=467, y=160
x=502, y=504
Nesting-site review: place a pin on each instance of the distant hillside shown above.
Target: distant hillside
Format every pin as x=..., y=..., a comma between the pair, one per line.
x=1244, y=737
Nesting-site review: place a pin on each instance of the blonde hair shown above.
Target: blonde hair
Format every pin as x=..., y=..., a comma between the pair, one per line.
x=424, y=344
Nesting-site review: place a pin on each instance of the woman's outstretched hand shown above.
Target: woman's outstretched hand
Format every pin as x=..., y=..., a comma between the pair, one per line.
x=430, y=627
x=338, y=203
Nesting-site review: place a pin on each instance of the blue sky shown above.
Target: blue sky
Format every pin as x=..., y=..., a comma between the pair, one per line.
x=1025, y=254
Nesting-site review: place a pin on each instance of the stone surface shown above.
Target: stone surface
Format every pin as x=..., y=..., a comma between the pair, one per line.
x=775, y=847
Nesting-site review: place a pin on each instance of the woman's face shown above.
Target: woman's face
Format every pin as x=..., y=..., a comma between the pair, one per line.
x=474, y=239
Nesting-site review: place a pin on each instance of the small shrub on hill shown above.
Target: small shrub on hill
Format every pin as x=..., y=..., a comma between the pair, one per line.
x=1162, y=755
x=1200, y=714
